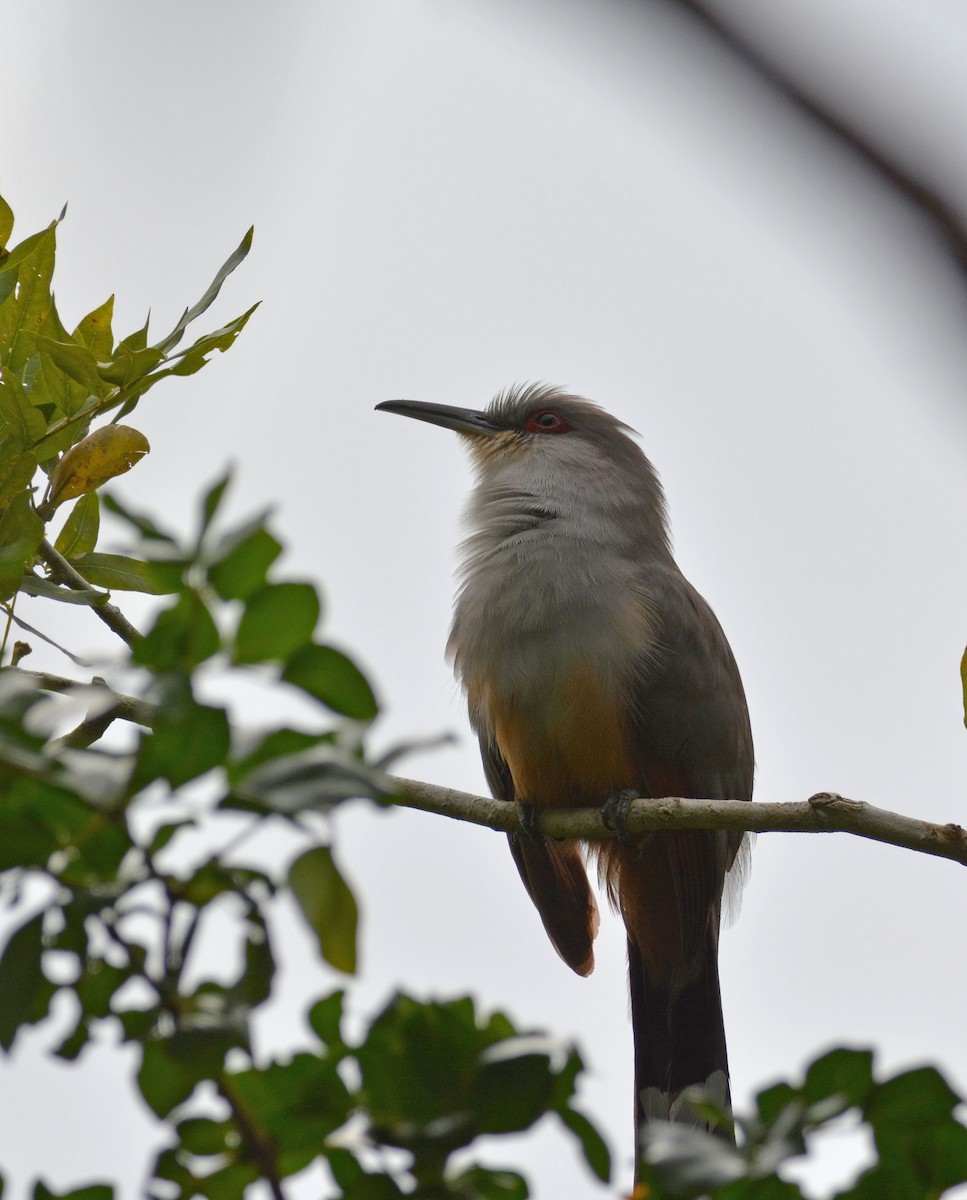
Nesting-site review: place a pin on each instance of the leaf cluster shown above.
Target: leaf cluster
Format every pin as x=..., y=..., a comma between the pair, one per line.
x=56, y=390
x=127, y=837
x=920, y=1144
x=109, y=830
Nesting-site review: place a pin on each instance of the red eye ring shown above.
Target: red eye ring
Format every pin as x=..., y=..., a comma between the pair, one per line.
x=546, y=420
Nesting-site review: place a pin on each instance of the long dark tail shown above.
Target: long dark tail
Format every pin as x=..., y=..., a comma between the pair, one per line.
x=679, y=1040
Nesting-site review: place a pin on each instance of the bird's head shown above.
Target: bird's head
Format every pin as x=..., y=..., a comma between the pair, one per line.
x=539, y=428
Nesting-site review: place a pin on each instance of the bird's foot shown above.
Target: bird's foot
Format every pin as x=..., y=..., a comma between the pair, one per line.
x=530, y=822
x=614, y=813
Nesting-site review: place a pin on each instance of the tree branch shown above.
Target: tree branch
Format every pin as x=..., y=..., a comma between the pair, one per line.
x=944, y=216
x=825, y=812
x=259, y=1145
x=61, y=571
x=125, y=708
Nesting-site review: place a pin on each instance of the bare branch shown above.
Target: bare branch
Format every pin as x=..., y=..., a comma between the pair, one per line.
x=944, y=216
x=61, y=571
x=825, y=812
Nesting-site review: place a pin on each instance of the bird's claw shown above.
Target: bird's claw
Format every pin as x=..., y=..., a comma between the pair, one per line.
x=529, y=817
x=614, y=813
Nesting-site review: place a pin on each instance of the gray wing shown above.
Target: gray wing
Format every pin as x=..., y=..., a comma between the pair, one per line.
x=691, y=736
x=553, y=873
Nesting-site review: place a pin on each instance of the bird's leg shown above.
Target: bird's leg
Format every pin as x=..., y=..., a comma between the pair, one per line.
x=614, y=813
x=530, y=823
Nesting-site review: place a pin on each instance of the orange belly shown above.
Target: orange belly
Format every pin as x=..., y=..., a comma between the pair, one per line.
x=567, y=748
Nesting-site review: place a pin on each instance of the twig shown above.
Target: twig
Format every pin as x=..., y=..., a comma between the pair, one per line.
x=13, y=619
x=125, y=708
x=260, y=1146
x=825, y=812
x=61, y=571
x=943, y=215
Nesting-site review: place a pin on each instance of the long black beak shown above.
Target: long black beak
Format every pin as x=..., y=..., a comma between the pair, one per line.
x=463, y=420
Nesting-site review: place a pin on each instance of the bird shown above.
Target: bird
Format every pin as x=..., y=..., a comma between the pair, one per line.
x=593, y=672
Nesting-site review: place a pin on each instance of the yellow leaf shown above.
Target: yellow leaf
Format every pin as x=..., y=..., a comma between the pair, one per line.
x=963, y=680
x=106, y=452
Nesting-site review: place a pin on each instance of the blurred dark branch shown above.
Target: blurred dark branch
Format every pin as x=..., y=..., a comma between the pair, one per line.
x=260, y=1146
x=125, y=708
x=944, y=217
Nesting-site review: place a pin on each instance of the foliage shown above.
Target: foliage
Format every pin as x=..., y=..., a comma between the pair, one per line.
x=124, y=838
x=920, y=1145
x=118, y=847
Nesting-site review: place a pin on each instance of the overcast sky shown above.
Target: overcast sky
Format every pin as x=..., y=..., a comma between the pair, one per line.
x=451, y=197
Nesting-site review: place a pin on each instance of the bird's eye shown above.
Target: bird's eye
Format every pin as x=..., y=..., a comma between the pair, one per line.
x=547, y=421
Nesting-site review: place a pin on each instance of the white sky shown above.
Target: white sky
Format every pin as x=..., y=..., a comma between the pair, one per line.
x=450, y=198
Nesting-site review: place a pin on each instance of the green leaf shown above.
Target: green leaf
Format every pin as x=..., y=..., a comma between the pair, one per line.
x=21, y=531
x=688, y=1161
x=941, y=1154
x=184, y=745
x=23, y=313
x=77, y=362
x=172, y=1066
x=317, y=778
x=6, y=222
x=74, y=1042
x=8, y=281
x=91, y=1191
x=62, y=401
x=98, y=845
x=21, y=978
x=332, y=678
x=94, y=331
x=229, y=1182
x=847, y=1073
x=279, y=743
x=772, y=1100
x=373, y=1187
x=79, y=535
x=485, y=1183
x=96, y=987
x=243, y=564
x=770, y=1188
x=165, y=832
x=136, y=341
x=277, y=620
x=593, y=1146
x=22, y=424
x=328, y=905
x=16, y=472
x=513, y=1088
x=421, y=1066
x=202, y=1135
x=145, y=525
x=128, y=367
x=917, y=1097
x=325, y=1019
x=254, y=985
x=298, y=1102
x=32, y=586
x=117, y=572
x=187, y=362
x=191, y=314
x=212, y=502
x=182, y=636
